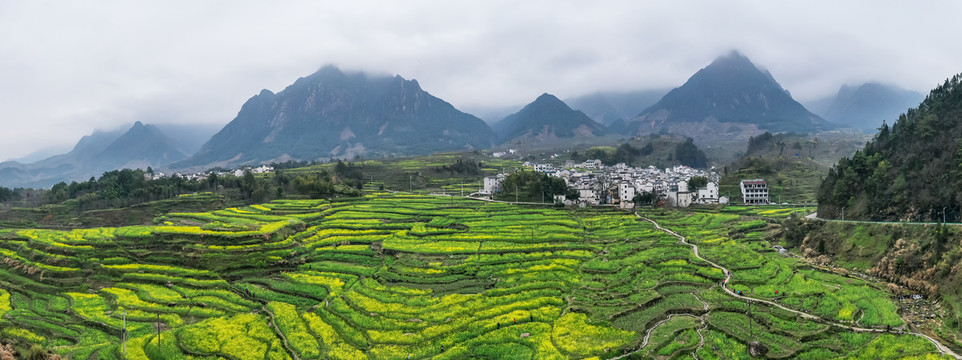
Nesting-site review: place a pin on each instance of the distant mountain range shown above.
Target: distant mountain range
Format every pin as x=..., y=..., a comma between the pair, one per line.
x=545, y=119
x=866, y=106
x=189, y=137
x=606, y=107
x=332, y=114
x=140, y=146
x=729, y=96
x=492, y=114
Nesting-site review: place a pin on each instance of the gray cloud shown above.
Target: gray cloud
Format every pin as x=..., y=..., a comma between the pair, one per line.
x=69, y=67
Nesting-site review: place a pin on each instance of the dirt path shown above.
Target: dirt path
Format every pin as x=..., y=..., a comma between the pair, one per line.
x=644, y=342
x=277, y=329
x=701, y=341
x=942, y=348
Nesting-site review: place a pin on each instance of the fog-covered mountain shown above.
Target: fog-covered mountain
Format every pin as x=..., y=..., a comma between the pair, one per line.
x=865, y=107
x=140, y=146
x=545, y=119
x=606, y=107
x=730, y=95
x=335, y=114
x=189, y=137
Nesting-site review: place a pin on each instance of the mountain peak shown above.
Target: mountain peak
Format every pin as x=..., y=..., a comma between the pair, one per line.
x=734, y=61
x=729, y=90
x=326, y=73
x=548, y=116
x=733, y=55
x=328, y=70
x=335, y=114
x=141, y=146
x=548, y=99
x=865, y=106
x=546, y=96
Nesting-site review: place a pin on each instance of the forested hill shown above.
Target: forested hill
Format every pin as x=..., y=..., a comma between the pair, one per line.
x=909, y=171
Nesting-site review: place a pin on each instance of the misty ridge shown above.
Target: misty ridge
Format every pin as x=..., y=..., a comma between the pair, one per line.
x=333, y=114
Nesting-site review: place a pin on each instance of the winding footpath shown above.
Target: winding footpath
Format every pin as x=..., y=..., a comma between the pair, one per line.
x=944, y=350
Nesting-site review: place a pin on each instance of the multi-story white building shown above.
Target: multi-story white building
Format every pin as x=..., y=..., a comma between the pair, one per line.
x=754, y=192
x=708, y=194
x=492, y=184
x=591, y=164
x=626, y=194
x=590, y=196
x=543, y=168
x=678, y=194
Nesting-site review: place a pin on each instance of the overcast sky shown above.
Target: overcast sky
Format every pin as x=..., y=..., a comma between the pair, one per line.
x=69, y=67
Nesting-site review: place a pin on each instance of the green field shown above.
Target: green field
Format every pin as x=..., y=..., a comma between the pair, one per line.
x=391, y=276
x=793, y=165
x=423, y=173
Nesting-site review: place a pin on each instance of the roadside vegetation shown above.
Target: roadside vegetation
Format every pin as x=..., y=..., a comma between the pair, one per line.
x=917, y=259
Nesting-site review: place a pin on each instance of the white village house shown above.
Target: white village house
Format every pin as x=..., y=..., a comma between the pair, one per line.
x=678, y=194
x=492, y=184
x=754, y=192
x=708, y=194
x=626, y=192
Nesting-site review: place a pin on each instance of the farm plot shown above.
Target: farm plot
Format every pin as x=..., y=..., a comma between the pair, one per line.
x=389, y=276
x=737, y=244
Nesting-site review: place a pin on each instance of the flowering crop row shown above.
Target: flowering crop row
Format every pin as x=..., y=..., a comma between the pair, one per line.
x=4, y=302
x=294, y=330
x=244, y=337
x=160, y=269
x=387, y=276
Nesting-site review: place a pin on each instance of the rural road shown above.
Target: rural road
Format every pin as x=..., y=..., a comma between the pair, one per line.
x=942, y=348
x=814, y=216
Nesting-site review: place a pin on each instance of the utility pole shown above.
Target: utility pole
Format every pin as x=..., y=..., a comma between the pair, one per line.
x=943, y=214
x=843, y=213
x=123, y=336
x=516, y=193
x=751, y=333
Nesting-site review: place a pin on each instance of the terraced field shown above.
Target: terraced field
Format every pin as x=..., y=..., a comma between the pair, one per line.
x=398, y=276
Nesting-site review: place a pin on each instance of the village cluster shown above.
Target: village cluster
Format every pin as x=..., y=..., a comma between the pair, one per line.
x=618, y=184
x=263, y=169
x=596, y=183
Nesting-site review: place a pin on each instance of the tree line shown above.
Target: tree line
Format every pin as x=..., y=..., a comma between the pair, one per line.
x=530, y=186
x=684, y=153
x=120, y=188
x=909, y=171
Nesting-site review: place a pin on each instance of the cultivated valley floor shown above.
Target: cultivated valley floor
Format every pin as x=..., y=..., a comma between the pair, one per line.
x=392, y=276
